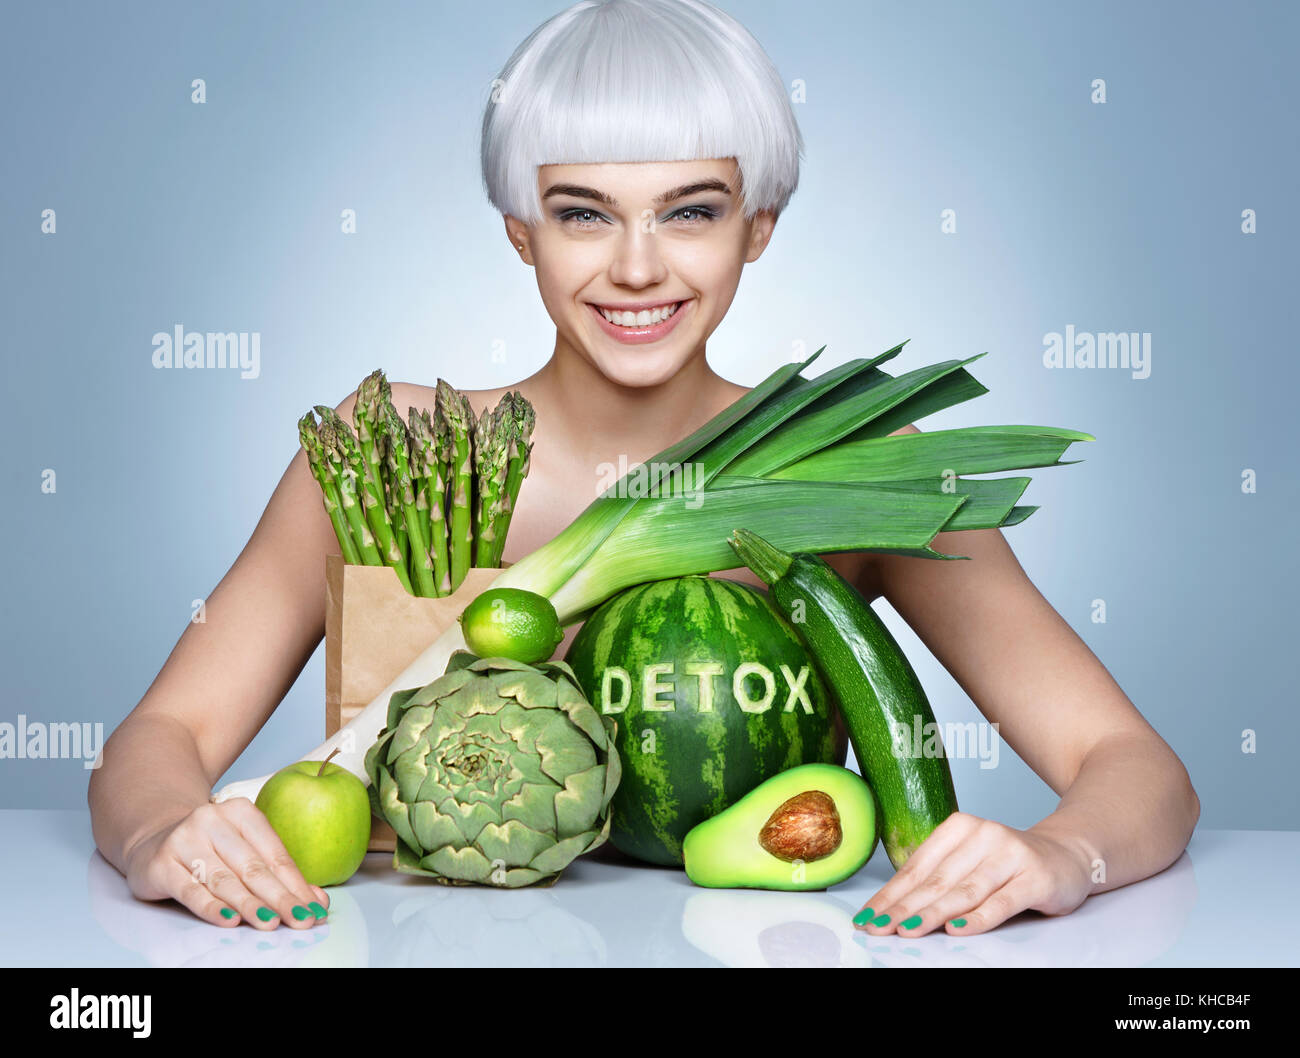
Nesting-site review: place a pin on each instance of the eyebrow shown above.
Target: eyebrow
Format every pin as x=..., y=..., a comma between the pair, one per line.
x=578, y=191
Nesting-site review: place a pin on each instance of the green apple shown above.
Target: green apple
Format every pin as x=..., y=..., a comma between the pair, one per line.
x=322, y=814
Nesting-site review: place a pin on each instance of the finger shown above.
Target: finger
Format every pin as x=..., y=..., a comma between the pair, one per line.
x=947, y=836
x=179, y=882
x=192, y=843
x=990, y=873
x=1020, y=893
x=258, y=832
x=276, y=902
x=953, y=885
x=197, y=855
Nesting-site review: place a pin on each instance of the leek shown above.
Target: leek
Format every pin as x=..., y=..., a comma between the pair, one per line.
x=807, y=463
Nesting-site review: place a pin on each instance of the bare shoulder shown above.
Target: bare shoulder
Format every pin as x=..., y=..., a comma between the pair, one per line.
x=408, y=395
x=485, y=398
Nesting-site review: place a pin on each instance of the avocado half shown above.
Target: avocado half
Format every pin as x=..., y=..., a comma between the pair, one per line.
x=806, y=828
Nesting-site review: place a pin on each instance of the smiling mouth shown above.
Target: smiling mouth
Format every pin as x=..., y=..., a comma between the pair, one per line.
x=641, y=319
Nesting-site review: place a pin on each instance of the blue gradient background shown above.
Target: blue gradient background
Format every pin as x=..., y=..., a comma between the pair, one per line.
x=225, y=217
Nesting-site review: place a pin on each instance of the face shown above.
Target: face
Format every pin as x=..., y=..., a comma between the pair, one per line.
x=637, y=263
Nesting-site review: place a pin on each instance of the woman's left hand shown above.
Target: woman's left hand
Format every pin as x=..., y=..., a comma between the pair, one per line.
x=978, y=873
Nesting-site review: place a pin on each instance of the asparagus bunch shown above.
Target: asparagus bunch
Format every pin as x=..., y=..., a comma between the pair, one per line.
x=429, y=496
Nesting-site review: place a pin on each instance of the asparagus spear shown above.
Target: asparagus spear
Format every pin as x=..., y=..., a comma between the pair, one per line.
x=379, y=395
x=364, y=411
x=433, y=494
x=444, y=450
x=457, y=418
x=370, y=492
x=519, y=420
x=399, y=469
x=392, y=503
x=491, y=450
x=419, y=482
x=334, y=443
x=311, y=444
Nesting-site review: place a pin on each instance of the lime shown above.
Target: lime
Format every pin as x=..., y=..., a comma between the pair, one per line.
x=512, y=623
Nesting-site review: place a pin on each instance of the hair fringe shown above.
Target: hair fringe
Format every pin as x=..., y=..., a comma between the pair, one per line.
x=639, y=81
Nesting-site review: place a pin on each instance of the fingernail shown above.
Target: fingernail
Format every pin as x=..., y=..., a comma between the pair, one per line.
x=300, y=912
x=317, y=909
x=265, y=914
x=959, y=922
x=863, y=917
x=227, y=913
x=911, y=923
x=883, y=920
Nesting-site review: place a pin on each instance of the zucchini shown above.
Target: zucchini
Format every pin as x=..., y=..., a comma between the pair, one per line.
x=875, y=684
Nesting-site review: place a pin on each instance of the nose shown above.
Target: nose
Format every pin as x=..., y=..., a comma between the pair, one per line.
x=637, y=261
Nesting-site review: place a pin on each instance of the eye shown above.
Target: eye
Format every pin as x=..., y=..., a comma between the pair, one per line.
x=692, y=216
x=582, y=218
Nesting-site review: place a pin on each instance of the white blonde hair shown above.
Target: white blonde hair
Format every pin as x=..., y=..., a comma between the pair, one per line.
x=639, y=81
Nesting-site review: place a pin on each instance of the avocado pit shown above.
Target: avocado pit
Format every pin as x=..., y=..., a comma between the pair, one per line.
x=805, y=827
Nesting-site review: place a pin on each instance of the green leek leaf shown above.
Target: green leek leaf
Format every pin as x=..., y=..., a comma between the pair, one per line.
x=967, y=450
x=813, y=429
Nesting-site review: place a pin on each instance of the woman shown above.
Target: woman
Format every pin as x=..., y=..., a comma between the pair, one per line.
x=641, y=152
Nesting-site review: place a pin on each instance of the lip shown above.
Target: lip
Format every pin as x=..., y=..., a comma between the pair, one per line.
x=639, y=335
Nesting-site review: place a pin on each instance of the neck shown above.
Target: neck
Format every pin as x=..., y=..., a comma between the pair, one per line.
x=597, y=416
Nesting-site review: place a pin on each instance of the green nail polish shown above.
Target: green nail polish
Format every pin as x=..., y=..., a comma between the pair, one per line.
x=863, y=917
x=227, y=913
x=912, y=923
x=317, y=909
x=265, y=914
x=959, y=922
x=300, y=912
x=883, y=920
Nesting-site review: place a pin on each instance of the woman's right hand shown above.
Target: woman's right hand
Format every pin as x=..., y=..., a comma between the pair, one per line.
x=226, y=857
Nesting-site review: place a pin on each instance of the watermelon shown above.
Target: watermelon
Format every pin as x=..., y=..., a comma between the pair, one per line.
x=713, y=693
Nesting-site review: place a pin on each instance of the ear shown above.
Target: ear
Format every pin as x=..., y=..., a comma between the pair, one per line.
x=760, y=234
x=517, y=233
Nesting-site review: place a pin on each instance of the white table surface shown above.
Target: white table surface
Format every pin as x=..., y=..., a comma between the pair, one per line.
x=1230, y=900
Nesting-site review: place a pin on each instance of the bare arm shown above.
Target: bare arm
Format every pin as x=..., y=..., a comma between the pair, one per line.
x=1127, y=799
x=1127, y=805
x=221, y=682
x=224, y=678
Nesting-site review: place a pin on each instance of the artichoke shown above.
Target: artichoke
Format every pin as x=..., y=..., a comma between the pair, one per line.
x=496, y=773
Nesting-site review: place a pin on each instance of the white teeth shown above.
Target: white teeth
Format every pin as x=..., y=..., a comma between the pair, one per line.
x=644, y=318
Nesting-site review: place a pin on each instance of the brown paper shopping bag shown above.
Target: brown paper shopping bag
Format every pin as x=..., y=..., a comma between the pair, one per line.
x=374, y=628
